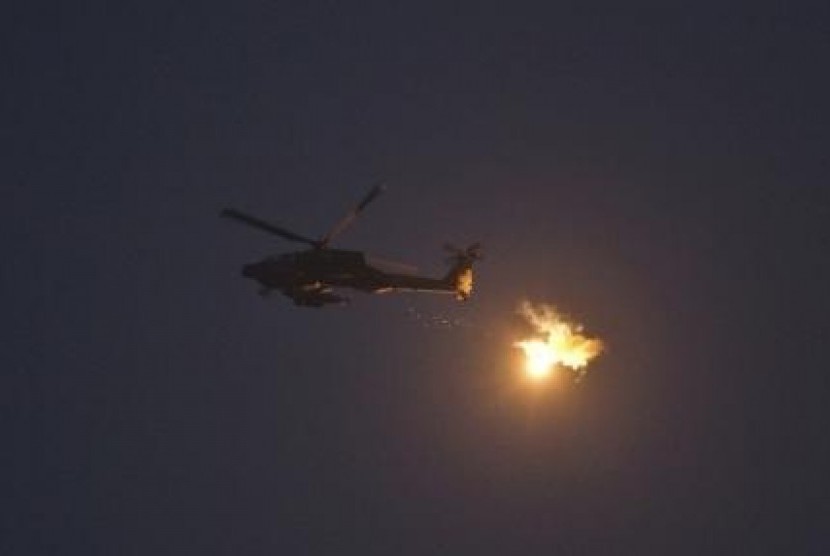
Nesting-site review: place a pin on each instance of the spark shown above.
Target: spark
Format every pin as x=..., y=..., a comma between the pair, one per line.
x=557, y=342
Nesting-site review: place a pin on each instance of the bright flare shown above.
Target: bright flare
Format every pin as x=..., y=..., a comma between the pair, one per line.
x=558, y=342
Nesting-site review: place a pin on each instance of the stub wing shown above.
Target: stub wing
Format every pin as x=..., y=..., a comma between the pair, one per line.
x=314, y=297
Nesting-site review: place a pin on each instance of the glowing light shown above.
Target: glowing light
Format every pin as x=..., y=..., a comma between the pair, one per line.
x=539, y=358
x=558, y=342
x=464, y=284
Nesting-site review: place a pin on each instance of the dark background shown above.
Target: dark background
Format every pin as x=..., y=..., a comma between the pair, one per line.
x=659, y=173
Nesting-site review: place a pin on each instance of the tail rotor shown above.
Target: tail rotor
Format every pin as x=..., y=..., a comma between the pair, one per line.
x=469, y=255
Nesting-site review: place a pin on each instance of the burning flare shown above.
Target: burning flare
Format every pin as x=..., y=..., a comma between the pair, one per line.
x=557, y=342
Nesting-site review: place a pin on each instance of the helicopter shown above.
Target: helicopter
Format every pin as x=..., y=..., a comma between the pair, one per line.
x=309, y=277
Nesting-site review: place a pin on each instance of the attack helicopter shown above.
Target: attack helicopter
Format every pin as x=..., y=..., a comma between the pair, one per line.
x=309, y=277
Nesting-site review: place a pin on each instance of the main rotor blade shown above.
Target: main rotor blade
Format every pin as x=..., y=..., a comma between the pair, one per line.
x=349, y=218
x=265, y=226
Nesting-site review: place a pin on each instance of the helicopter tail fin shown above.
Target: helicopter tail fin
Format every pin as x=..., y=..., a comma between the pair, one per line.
x=460, y=276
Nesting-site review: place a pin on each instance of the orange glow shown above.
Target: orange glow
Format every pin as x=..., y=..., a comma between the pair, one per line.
x=539, y=359
x=464, y=284
x=558, y=342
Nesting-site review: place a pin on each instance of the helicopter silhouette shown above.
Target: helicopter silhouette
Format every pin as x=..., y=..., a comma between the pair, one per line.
x=309, y=277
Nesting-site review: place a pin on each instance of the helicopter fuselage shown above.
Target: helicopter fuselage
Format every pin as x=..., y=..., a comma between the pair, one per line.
x=317, y=270
x=309, y=277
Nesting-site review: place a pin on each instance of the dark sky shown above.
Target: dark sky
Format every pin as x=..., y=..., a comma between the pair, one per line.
x=659, y=173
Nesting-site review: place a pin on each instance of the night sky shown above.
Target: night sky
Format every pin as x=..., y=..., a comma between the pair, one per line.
x=658, y=173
